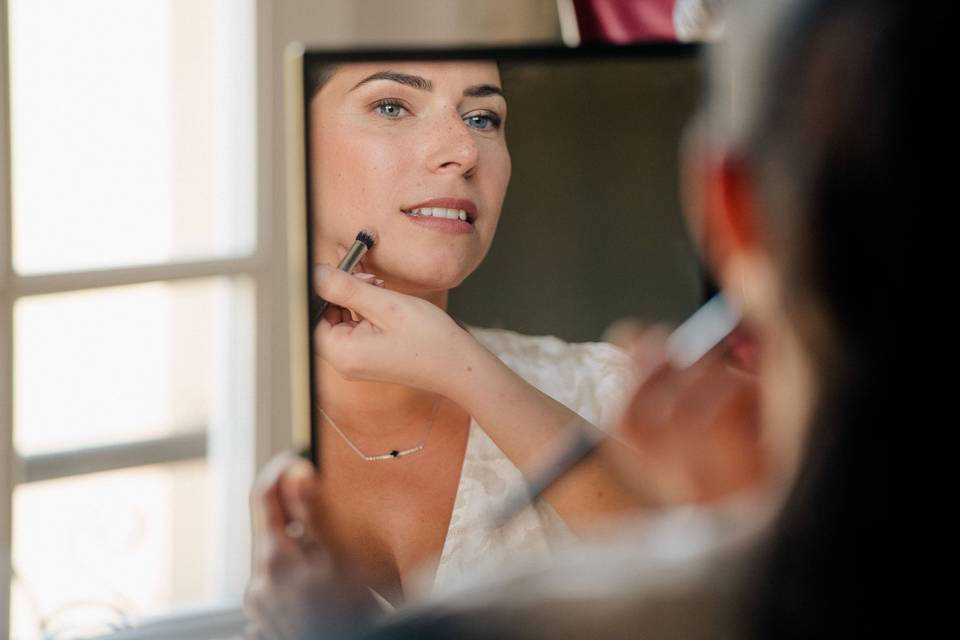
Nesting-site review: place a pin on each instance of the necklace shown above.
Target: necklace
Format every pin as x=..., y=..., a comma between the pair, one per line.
x=393, y=454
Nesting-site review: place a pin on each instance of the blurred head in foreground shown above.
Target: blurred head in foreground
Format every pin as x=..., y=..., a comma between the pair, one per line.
x=802, y=173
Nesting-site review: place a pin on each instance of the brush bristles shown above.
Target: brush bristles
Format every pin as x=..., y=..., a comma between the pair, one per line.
x=367, y=238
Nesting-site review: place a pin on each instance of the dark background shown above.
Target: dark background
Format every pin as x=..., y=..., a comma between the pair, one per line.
x=591, y=228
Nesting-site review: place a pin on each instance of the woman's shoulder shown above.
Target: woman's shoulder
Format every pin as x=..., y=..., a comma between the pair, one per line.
x=591, y=378
x=534, y=356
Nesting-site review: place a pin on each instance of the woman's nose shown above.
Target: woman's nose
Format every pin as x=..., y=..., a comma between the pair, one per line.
x=454, y=148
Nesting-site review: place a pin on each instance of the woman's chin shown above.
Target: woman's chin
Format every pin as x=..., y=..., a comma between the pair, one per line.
x=426, y=279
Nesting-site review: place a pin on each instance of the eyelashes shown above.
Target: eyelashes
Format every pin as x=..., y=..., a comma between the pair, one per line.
x=390, y=108
x=483, y=120
x=394, y=109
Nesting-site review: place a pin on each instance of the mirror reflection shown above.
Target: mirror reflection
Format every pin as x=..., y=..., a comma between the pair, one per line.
x=516, y=209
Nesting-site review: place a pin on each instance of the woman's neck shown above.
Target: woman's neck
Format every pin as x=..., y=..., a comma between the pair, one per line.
x=370, y=408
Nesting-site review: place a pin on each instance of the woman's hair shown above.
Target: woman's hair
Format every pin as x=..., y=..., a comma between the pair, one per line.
x=846, y=107
x=317, y=76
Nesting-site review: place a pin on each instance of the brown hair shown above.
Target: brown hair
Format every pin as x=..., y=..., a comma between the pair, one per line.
x=319, y=75
x=837, y=147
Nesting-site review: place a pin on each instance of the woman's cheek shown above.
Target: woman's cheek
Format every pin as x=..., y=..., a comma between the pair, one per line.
x=375, y=167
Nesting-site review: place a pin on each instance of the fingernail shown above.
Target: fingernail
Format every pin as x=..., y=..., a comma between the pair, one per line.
x=369, y=277
x=299, y=468
x=295, y=529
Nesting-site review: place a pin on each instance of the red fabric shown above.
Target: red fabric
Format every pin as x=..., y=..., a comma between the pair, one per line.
x=623, y=21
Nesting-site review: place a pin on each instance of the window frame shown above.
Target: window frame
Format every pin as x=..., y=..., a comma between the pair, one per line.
x=278, y=386
x=265, y=267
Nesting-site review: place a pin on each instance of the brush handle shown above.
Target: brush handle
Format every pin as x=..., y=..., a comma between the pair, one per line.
x=687, y=344
x=317, y=304
x=583, y=442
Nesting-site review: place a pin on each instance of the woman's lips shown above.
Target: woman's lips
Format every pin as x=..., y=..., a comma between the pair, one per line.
x=449, y=225
x=452, y=215
x=743, y=350
x=451, y=208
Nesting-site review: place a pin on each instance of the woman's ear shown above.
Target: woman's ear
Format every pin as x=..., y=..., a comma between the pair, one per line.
x=731, y=220
x=733, y=240
x=718, y=198
x=724, y=217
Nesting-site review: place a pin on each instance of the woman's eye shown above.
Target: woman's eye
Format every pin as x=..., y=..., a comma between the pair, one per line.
x=483, y=121
x=389, y=109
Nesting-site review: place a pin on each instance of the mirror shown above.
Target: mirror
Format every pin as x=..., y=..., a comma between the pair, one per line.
x=590, y=229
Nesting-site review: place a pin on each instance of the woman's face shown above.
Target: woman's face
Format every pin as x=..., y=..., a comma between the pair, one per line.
x=721, y=201
x=414, y=152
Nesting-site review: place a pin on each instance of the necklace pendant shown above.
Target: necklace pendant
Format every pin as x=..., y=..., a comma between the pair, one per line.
x=394, y=453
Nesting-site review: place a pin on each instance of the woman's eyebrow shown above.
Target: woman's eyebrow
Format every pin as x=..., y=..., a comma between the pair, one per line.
x=395, y=76
x=482, y=90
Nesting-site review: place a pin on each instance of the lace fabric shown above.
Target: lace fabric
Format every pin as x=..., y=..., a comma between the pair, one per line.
x=591, y=379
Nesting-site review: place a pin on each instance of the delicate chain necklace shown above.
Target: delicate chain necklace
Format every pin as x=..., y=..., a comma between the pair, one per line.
x=395, y=453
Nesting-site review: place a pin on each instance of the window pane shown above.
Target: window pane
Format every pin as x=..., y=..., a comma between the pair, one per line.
x=132, y=131
x=101, y=549
x=128, y=363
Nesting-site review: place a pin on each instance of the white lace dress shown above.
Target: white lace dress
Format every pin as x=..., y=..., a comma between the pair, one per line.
x=589, y=378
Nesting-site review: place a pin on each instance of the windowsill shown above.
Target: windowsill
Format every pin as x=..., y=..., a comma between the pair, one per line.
x=206, y=624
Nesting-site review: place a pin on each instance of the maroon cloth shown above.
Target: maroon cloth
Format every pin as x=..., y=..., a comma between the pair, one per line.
x=623, y=21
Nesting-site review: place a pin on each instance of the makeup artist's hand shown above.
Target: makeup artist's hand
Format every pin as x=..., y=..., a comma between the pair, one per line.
x=293, y=584
x=695, y=431
x=398, y=338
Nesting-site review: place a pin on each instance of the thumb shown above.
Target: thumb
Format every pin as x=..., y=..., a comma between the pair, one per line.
x=344, y=290
x=303, y=498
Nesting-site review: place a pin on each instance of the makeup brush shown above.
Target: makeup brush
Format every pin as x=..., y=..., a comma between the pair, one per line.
x=361, y=245
x=687, y=344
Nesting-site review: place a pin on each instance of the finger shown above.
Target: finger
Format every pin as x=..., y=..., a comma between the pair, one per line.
x=369, y=278
x=277, y=556
x=335, y=314
x=300, y=492
x=710, y=394
x=665, y=388
x=699, y=388
x=366, y=278
x=255, y=605
x=624, y=332
x=329, y=333
x=343, y=343
x=652, y=402
x=304, y=501
x=263, y=503
x=269, y=622
x=274, y=545
x=344, y=290
x=648, y=348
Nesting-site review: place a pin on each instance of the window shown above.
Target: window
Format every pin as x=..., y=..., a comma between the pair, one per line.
x=130, y=266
